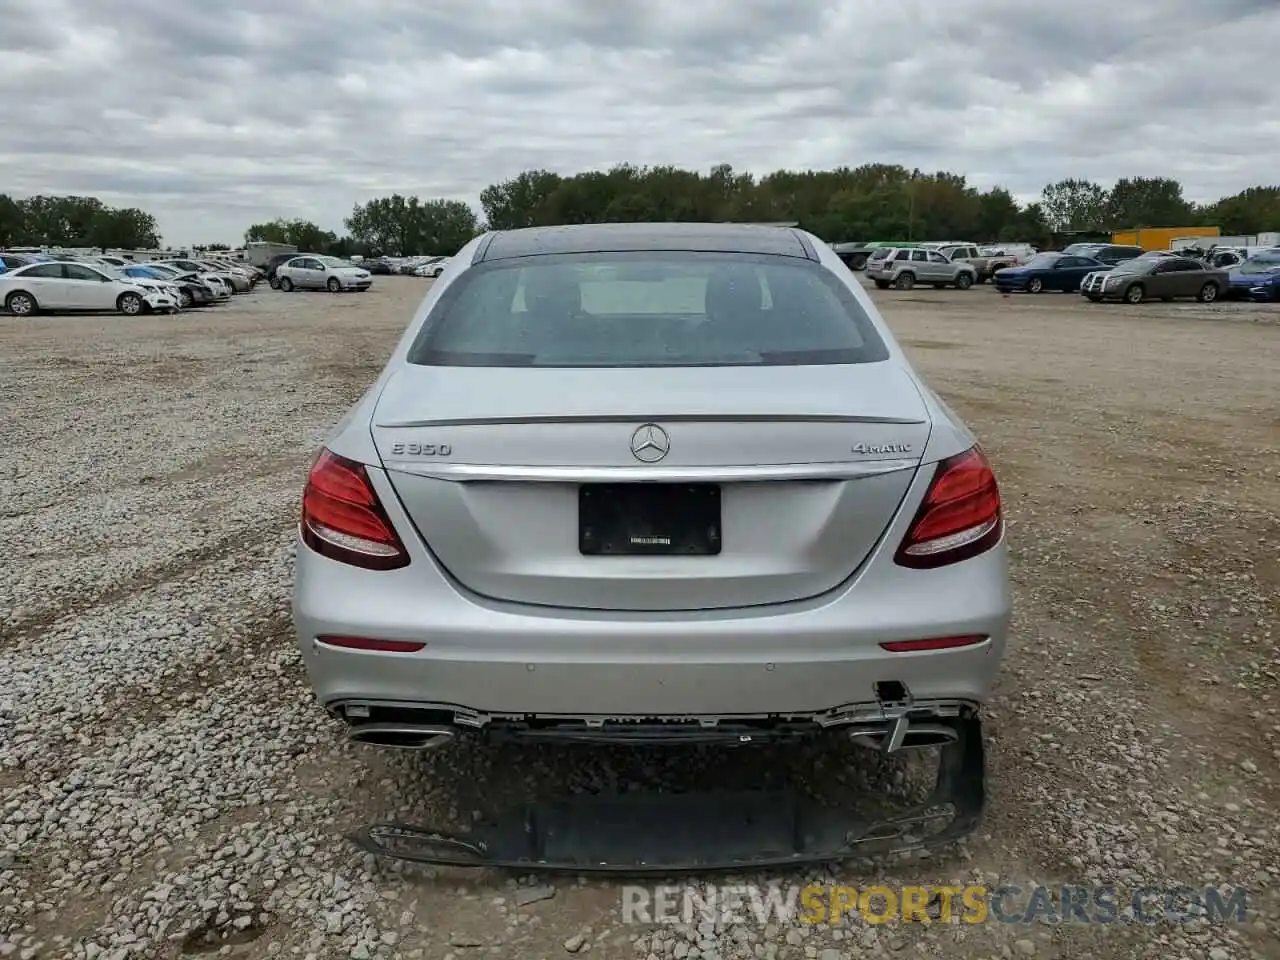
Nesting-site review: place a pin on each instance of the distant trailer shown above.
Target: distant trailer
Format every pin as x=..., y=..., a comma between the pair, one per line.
x=259, y=252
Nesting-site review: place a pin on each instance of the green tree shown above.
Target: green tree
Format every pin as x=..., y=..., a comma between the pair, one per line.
x=406, y=226
x=1075, y=206
x=1254, y=210
x=125, y=228
x=303, y=234
x=1148, y=202
x=517, y=202
x=12, y=222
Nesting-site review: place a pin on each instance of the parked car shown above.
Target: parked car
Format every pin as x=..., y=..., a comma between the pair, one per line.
x=11, y=261
x=1242, y=278
x=273, y=264
x=322, y=273
x=1164, y=278
x=409, y=266
x=1020, y=252
x=432, y=268
x=1267, y=289
x=67, y=286
x=545, y=518
x=904, y=268
x=1047, y=271
x=238, y=281
x=378, y=266
x=985, y=264
x=1107, y=253
x=220, y=287
x=189, y=291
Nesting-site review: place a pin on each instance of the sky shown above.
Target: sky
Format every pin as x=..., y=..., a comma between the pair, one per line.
x=216, y=114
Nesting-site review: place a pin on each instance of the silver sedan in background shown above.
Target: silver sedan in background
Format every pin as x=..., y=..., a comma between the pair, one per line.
x=670, y=478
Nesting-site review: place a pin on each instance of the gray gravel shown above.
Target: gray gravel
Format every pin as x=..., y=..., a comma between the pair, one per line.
x=169, y=787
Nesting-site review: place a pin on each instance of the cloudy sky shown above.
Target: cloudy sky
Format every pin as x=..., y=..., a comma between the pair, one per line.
x=214, y=114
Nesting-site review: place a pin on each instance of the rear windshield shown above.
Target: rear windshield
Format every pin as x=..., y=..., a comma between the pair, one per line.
x=647, y=310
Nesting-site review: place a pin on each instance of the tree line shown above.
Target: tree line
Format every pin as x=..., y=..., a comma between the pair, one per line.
x=74, y=222
x=870, y=202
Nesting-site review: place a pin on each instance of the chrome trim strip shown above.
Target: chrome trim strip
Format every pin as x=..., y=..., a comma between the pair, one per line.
x=470, y=472
x=649, y=418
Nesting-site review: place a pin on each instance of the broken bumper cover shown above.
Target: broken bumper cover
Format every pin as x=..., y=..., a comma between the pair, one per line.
x=663, y=833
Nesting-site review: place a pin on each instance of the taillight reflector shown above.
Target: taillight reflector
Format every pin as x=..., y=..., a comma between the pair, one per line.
x=932, y=643
x=369, y=643
x=960, y=516
x=343, y=519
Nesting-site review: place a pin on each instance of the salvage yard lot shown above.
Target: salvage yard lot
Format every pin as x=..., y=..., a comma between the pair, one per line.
x=165, y=772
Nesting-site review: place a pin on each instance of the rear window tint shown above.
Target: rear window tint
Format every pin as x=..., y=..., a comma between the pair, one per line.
x=647, y=310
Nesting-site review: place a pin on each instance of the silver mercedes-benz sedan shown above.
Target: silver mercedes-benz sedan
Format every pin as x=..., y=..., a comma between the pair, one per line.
x=656, y=482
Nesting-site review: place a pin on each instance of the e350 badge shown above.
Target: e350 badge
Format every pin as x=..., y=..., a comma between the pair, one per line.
x=421, y=450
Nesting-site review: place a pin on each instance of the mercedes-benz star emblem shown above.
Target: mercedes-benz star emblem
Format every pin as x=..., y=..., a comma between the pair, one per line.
x=650, y=443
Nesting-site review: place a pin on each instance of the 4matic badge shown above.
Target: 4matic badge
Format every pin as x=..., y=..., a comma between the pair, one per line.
x=868, y=448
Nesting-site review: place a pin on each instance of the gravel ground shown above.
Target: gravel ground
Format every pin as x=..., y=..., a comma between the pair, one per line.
x=169, y=787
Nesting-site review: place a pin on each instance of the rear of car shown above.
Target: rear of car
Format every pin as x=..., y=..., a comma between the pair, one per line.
x=677, y=478
x=879, y=265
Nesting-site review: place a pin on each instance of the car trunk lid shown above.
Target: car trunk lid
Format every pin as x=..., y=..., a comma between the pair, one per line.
x=747, y=485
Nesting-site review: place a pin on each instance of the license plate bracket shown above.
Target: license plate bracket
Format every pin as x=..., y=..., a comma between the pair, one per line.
x=649, y=519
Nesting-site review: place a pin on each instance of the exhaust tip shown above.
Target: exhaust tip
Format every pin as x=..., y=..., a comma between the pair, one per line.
x=401, y=736
x=917, y=737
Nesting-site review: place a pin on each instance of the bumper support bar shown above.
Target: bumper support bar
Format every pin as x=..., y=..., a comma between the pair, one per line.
x=662, y=833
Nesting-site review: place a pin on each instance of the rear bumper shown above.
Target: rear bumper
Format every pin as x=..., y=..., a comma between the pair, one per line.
x=793, y=660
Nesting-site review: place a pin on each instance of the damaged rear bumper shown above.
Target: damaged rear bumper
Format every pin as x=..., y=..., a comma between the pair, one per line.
x=663, y=833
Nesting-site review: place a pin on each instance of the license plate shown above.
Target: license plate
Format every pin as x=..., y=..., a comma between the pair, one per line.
x=647, y=519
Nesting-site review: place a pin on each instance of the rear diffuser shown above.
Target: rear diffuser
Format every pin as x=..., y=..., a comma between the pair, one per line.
x=662, y=833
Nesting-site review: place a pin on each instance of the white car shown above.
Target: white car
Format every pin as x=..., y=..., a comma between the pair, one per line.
x=220, y=287
x=432, y=268
x=322, y=273
x=58, y=285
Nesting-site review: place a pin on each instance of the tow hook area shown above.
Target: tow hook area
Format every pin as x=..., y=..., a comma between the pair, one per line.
x=647, y=832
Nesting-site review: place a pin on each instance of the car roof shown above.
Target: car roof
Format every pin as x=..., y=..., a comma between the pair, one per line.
x=657, y=237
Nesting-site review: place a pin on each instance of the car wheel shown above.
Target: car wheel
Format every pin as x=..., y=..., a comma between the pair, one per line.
x=964, y=281
x=1208, y=293
x=273, y=283
x=20, y=304
x=858, y=262
x=185, y=298
x=1035, y=285
x=334, y=285
x=905, y=281
x=286, y=284
x=130, y=304
x=1134, y=294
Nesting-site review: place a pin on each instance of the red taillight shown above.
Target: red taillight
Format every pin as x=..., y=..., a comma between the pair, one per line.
x=343, y=519
x=933, y=643
x=371, y=644
x=960, y=516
